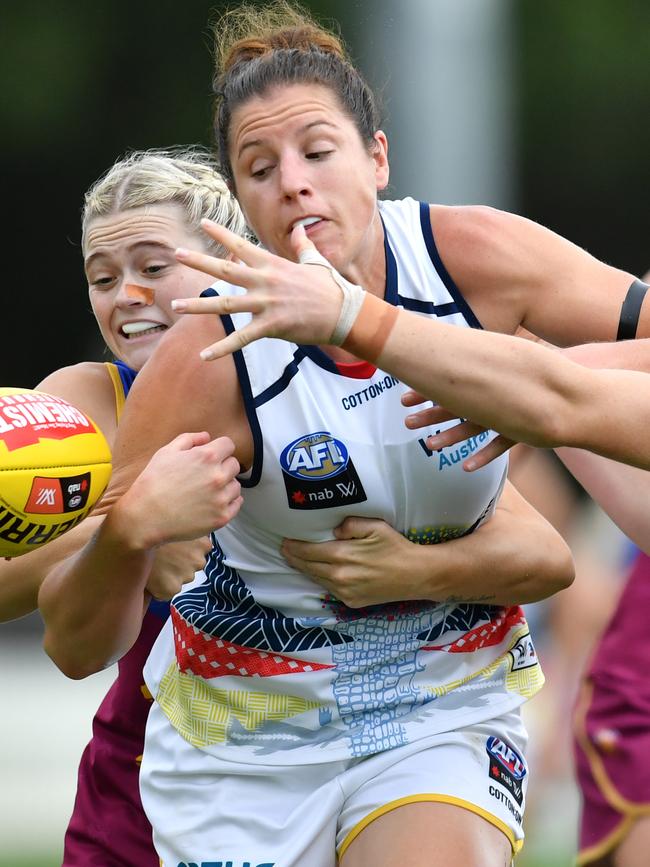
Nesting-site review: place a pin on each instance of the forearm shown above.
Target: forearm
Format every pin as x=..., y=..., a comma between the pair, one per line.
x=523, y=390
x=21, y=577
x=622, y=491
x=18, y=592
x=93, y=603
x=514, y=558
x=624, y=355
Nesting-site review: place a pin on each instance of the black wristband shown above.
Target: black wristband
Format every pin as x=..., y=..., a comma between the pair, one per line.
x=630, y=311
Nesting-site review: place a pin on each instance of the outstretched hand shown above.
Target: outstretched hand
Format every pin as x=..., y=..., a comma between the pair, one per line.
x=290, y=300
x=434, y=415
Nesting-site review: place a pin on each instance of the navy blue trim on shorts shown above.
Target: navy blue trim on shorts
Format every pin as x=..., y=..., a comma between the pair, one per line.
x=247, y=396
x=434, y=255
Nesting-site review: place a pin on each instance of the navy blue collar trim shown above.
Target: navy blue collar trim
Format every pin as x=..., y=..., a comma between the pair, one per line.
x=247, y=396
x=283, y=380
x=434, y=255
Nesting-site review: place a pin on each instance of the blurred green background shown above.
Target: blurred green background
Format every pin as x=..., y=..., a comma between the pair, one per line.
x=83, y=82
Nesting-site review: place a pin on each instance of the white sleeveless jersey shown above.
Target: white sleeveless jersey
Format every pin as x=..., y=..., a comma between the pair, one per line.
x=264, y=666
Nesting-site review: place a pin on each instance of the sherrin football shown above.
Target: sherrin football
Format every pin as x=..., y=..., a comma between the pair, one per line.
x=54, y=465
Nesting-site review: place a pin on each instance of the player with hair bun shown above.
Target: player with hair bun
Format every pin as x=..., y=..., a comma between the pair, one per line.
x=177, y=187
x=288, y=727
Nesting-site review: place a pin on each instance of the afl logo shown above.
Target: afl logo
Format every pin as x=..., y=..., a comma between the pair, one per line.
x=507, y=756
x=319, y=474
x=506, y=766
x=315, y=456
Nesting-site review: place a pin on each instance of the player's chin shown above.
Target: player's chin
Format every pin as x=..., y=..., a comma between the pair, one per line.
x=334, y=252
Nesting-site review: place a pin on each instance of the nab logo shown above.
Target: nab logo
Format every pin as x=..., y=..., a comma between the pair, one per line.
x=76, y=490
x=507, y=767
x=319, y=474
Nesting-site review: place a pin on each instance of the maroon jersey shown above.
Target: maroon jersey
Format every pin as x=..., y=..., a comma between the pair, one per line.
x=108, y=827
x=612, y=722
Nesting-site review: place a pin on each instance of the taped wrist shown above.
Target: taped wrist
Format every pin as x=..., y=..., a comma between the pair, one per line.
x=369, y=333
x=364, y=322
x=353, y=295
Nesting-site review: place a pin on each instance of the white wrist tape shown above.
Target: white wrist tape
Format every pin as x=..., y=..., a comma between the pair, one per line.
x=352, y=295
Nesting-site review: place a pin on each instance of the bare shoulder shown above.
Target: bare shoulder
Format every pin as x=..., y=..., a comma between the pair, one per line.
x=478, y=239
x=465, y=224
x=484, y=239
x=489, y=255
x=175, y=363
x=515, y=271
x=176, y=391
x=88, y=386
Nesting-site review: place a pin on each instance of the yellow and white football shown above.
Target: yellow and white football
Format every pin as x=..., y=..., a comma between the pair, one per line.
x=55, y=464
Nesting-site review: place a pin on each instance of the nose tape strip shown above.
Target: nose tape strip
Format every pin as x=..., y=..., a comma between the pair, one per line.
x=139, y=293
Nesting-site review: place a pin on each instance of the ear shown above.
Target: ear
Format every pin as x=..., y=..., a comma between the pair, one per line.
x=380, y=156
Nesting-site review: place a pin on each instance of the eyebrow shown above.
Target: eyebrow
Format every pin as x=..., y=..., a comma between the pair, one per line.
x=305, y=128
x=159, y=245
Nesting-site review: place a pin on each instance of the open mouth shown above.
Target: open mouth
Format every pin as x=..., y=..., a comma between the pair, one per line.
x=305, y=222
x=132, y=330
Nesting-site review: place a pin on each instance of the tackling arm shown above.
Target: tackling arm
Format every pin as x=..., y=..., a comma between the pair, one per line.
x=514, y=558
x=167, y=486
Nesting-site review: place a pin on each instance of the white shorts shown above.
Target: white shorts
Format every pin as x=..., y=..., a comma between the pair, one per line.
x=206, y=811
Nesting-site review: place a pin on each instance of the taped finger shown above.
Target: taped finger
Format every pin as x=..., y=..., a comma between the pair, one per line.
x=311, y=256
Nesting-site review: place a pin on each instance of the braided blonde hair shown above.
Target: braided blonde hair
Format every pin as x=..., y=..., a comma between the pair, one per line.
x=186, y=176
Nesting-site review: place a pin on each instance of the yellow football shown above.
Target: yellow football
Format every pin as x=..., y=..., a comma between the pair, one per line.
x=55, y=464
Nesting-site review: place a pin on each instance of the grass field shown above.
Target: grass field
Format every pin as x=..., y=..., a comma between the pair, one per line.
x=37, y=861
x=40, y=861
x=9, y=861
